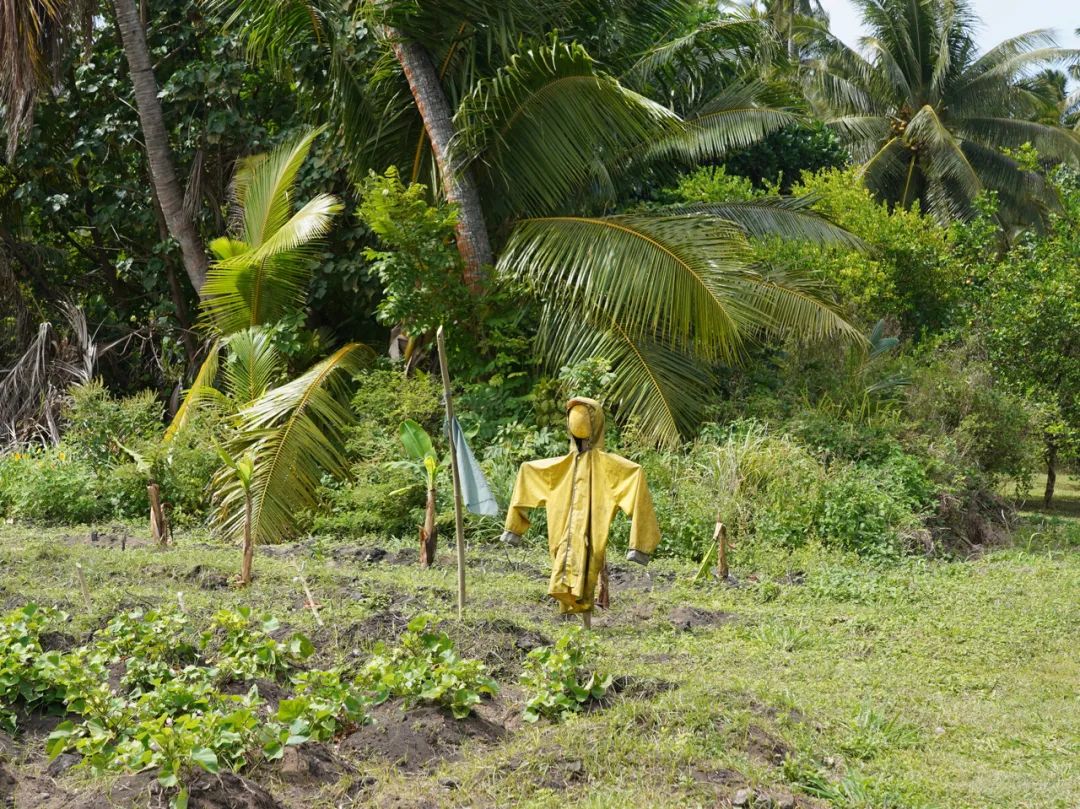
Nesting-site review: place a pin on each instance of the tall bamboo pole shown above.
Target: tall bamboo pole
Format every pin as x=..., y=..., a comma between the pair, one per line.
x=459, y=524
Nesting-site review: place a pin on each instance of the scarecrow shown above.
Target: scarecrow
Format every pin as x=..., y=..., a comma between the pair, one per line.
x=582, y=491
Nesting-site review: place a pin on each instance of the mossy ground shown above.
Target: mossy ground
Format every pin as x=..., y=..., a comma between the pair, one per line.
x=820, y=679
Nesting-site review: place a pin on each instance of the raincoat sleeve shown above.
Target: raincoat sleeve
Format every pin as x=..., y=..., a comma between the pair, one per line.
x=632, y=496
x=530, y=491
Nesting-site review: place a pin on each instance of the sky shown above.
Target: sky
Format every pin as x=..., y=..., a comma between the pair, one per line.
x=1001, y=19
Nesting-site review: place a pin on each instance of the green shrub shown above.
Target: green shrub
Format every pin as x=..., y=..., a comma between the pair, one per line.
x=559, y=679
x=994, y=431
x=52, y=487
x=909, y=272
x=95, y=423
x=381, y=498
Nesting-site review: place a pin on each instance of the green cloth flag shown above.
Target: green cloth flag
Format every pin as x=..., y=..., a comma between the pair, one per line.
x=475, y=491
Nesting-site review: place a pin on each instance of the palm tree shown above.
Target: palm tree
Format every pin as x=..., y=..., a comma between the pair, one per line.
x=167, y=188
x=554, y=143
x=929, y=117
x=287, y=434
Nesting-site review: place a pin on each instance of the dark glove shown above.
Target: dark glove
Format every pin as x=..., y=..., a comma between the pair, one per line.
x=510, y=538
x=638, y=556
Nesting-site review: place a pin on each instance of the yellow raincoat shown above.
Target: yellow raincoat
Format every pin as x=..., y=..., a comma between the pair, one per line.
x=582, y=491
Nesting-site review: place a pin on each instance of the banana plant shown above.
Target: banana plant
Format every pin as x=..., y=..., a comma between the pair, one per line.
x=422, y=457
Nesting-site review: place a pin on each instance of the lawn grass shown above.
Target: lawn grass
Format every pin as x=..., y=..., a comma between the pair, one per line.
x=929, y=683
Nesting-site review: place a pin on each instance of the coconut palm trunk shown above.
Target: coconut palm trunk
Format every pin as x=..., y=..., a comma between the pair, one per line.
x=249, y=541
x=459, y=186
x=155, y=136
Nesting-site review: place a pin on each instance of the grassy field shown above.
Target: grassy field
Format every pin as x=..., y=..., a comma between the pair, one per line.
x=819, y=681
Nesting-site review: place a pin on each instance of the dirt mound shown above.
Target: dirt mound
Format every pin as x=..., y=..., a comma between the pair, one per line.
x=500, y=643
x=310, y=764
x=419, y=737
x=271, y=692
x=206, y=578
x=764, y=747
x=686, y=618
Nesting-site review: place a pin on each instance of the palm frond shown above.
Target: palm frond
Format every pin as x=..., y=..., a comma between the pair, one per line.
x=533, y=131
x=738, y=115
x=1052, y=142
x=253, y=364
x=264, y=274
x=686, y=281
x=662, y=389
x=777, y=217
x=295, y=435
x=652, y=273
x=262, y=188
x=202, y=390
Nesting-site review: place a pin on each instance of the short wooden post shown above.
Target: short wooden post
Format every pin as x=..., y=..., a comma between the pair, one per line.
x=310, y=603
x=459, y=520
x=84, y=587
x=180, y=600
x=721, y=551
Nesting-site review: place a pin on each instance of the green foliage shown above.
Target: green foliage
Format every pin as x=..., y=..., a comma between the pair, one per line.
x=263, y=268
x=713, y=184
x=783, y=157
x=21, y=678
x=421, y=271
x=96, y=423
x=908, y=273
x=381, y=497
x=991, y=429
x=51, y=487
x=419, y=448
x=560, y=680
x=165, y=711
x=240, y=643
x=1027, y=310
x=425, y=667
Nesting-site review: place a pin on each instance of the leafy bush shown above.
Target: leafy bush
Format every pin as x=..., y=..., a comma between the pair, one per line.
x=424, y=666
x=96, y=423
x=994, y=431
x=421, y=272
x=21, y=680
x=909, y=272
x=381, y=497
x=559, y=680
x=241, y=644
x=51, y=487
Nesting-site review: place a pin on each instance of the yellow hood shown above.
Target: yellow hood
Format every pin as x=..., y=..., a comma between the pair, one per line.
x=597, y=421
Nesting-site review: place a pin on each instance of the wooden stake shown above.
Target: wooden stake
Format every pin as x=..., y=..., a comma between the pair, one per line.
x=311, y=605
x=84, y=587
x=721, y=551
x=459, y=521
x=180, y=600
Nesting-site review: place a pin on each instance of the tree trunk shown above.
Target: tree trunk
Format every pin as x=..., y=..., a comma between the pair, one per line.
x=429, y=532
x=1051, y=473
x=156, y=138
x=249, y=543
x=459, y=185
x=159, y=527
